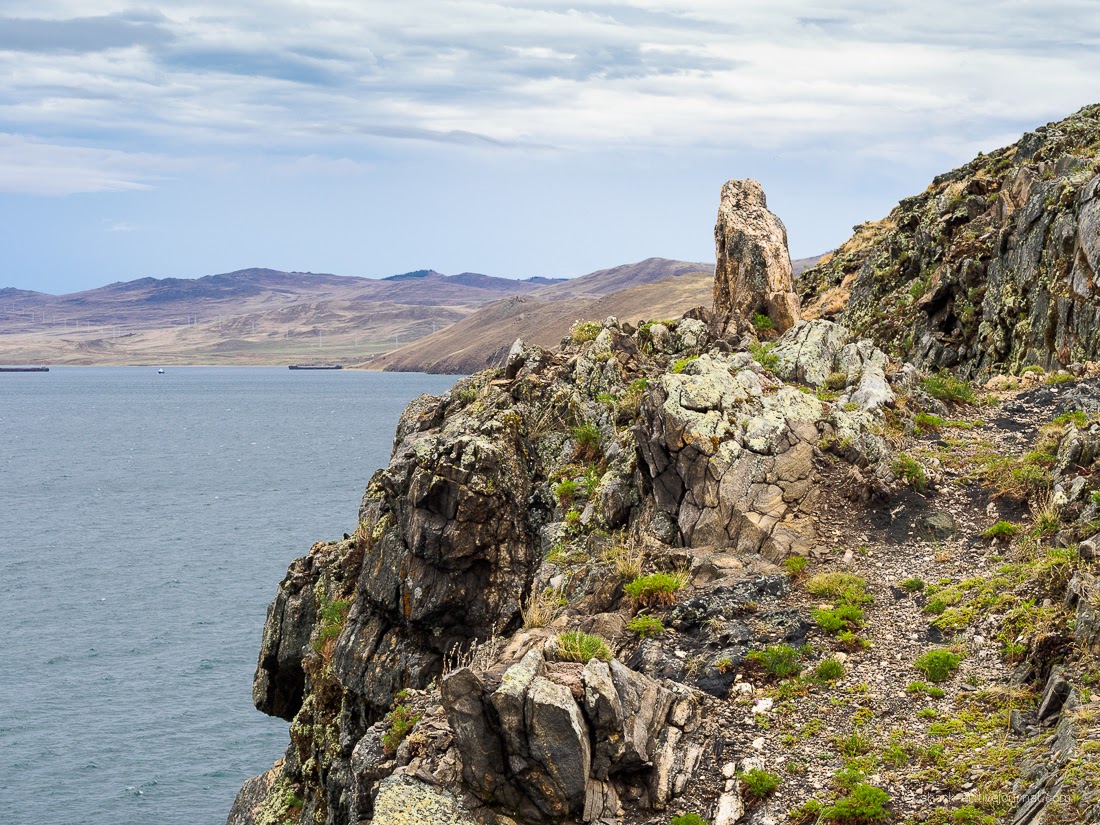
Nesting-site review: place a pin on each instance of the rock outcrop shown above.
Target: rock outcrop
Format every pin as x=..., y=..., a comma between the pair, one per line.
x=753, y=271
x=992, y=269
x=668, y=439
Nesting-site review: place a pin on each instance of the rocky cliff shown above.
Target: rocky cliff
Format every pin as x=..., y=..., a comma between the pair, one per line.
x=696, y=571
x=991, y=269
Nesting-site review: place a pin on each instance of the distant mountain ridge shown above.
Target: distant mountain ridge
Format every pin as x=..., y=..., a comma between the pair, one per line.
x=260, y=315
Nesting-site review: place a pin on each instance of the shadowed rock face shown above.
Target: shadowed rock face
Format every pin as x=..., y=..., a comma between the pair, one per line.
x=753, y=273
x=994, y=267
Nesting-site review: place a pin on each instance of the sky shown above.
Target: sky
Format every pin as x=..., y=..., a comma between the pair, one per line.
x=518, y=138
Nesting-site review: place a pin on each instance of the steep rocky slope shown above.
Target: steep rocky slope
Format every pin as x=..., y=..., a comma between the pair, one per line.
x=993, y=268
x=694, y=571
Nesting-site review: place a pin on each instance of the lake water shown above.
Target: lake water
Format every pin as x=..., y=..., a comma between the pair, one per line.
x=145, y=523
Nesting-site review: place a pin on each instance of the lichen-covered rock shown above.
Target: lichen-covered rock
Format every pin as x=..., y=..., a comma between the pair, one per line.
x=250, y=798
x=731, y=455
x=753, y=271
x=993, y=268
x=406, y=800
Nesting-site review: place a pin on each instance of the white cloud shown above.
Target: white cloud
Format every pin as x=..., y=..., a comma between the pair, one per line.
x=320, y=78
x=33, y=167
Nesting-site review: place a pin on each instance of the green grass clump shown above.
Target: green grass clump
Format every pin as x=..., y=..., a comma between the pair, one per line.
x=1075, y=417
x=829, y=670
x=577, y=646
x=843, y=588
x=761, y=322
x=762, y=354
x=864, y=805
x=679, y=365
x=759, y=784
x=656, y=588
x=646, y=626
x=928, y=423
x=333, y=614
x=565, y=491
x=795, y=565
x=778, y=660
x=806, y=813
x=854, y=744
x=913, y=585
x=938, y=665
x=587, y=436
x=945, y=387
x=912, y=471
x=584, y=331
x=1001, y=530
x=400, y=722
x=842, y=617
x=688, y=819
x=921, y=687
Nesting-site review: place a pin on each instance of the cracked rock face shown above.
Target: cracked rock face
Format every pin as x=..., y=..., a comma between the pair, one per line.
x=753, y=271
x=731, y=456
x=570, y=756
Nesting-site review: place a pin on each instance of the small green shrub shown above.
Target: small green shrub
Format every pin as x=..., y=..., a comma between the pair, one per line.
x=844, y=588
x=587, y=436
x=908, y=468
x=291, y=799
x=656, y=588
x=679, y=365
x=945, y=387
x=913, y=585
x=864, y=805
x=646, y=626
x=577, y=646
x=928, y=423
x=565, y=491
x=761, y=322
x=1001, y=530
x=778, y=660
x=763, y=355
x=836, y=380
x=829, y=670
x=938, y=665
x=401, y=721
x=843, y=617
x=333, y=614
x=795, y=565
x=854, y=744
x=688, y=819
x=584, y=331
x=806, y=813
x=850, y=641
x=1075, y=417
x=759, y=784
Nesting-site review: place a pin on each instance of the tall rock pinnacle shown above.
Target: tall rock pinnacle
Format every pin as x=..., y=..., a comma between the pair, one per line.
x=753, y=271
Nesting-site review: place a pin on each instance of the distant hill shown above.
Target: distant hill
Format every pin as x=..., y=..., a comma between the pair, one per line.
x=267, y=316
x=251, y=316
x=649, y=289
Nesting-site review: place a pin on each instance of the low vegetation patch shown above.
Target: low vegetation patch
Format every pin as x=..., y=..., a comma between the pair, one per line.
x=584, y=331
x=780, y=661
x=864, y=805
x=913, y=585
x=945, y=387
x=911, y=471
x=1001, y=530
x=646, y=626
x=759, y=784
x=688, y=819
x=577, y=646
x=763, y=355
x=938, y=665
x=400, y=721
x=842, y=588
x=829, y=670
x=843, y=617
x=656, y=588
x=587, y=436
x=795, y=565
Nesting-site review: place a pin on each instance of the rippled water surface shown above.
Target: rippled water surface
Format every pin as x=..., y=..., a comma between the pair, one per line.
x=145, y=522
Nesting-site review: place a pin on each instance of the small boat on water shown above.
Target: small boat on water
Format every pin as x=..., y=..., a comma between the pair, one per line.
x=316, y=367
x=24, y=369
x=160, y=372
